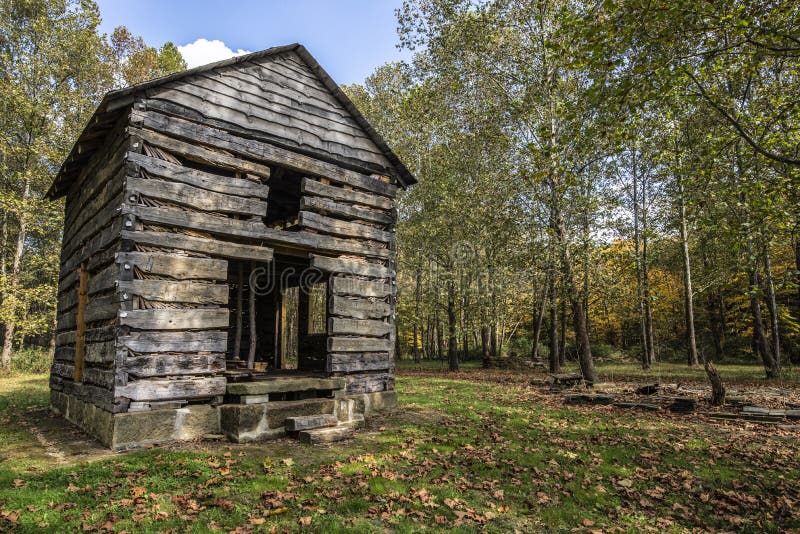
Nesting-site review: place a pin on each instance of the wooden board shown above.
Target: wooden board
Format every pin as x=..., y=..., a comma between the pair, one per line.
x=204, y=341
x=174, y=266
x=363, y=288
x=255, y=230
x=180, y=319
x=329, y=225
x=360, y=327
x=342, y=210
x=80, y=321
x=105, y=279
x=358, y=344
x=358, y=308
x=182, y=388
x=214, y=247
x=356, y=362
x=226, y=185
x=309, y=186
x=195, y=152
x=194, y=197
x=100, y=352
x=147, y=365
x=287, y=103
x=175, y=291
x=350, y=266
x=102, y=308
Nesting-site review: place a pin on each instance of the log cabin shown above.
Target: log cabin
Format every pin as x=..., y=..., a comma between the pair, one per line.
x=228, y=259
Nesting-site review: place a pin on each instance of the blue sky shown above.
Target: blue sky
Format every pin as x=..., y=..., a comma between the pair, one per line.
x=350, y=38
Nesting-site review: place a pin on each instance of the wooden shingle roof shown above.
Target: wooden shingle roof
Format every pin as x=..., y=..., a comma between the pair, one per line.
x=115, y=102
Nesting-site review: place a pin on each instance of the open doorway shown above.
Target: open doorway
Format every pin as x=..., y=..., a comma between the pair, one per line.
x=278, y=316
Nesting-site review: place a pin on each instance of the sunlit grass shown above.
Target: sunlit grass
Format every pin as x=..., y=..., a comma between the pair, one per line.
x=460, y=455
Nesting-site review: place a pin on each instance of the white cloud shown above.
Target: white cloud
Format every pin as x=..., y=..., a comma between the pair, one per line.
x=203, y=51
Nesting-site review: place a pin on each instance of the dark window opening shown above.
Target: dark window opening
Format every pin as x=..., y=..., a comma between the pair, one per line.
x=283, y=199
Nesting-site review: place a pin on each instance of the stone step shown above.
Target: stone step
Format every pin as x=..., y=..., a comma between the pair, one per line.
x=309, y=422
x=252, y=422
x=325, y=435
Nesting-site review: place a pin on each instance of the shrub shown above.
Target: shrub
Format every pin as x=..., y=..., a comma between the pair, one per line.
x=31, y=360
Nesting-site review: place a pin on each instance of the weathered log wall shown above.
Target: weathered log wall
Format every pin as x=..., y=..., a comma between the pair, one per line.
x=84, y=361
x=180, y=188
x=345, y=223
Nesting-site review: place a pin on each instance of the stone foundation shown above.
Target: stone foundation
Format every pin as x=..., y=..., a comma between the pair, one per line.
x=132, y=430
x=240, y=423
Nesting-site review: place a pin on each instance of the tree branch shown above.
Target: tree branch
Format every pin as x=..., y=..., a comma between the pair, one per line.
x=738, y=127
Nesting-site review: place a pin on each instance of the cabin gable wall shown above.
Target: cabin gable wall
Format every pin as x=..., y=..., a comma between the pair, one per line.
x=177, y=201
x=278, y=99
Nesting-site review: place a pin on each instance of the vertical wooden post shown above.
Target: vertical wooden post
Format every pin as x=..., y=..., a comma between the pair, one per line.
x=283, y=330
x=237, y=340
x=303, y=311
x=80, y=322
x=251, y=354
x=276, y=327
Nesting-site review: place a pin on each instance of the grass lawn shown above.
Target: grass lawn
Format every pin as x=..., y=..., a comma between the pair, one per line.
x=476, y=454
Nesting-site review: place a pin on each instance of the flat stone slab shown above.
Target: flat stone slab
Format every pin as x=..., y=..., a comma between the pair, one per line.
x=750, y=417
x=284, y=385
x=638, y=405
x=756, y=409
x=308, y=422
x=569, y=379
x=588, y=398
x=325, y=435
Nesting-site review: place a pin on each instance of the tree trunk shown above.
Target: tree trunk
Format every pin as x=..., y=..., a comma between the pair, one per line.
x=759, y=334
x=688, y=299
x=638, y=267
x=582, y=343
x=537, y=328
x=493, y=340
x=485, y=355
x=797, y=268
x=772, y=306
x=464, y=323
x=715, y=324
x=714, y=308
x=439, y=338
x=452, y=347
x=717, y=388
x=555, y=361
x=562, y=337
x=10, y=299
x=648, y=309
x=417, y=280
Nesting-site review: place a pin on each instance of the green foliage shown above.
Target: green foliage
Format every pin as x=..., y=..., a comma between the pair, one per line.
x=572, y=106
x=32, y=360
x=54, y=69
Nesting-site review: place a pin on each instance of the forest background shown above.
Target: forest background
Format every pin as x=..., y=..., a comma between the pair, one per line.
x=607, y=180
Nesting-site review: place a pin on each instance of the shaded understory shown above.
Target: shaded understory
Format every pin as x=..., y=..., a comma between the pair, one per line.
x=480, y=452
